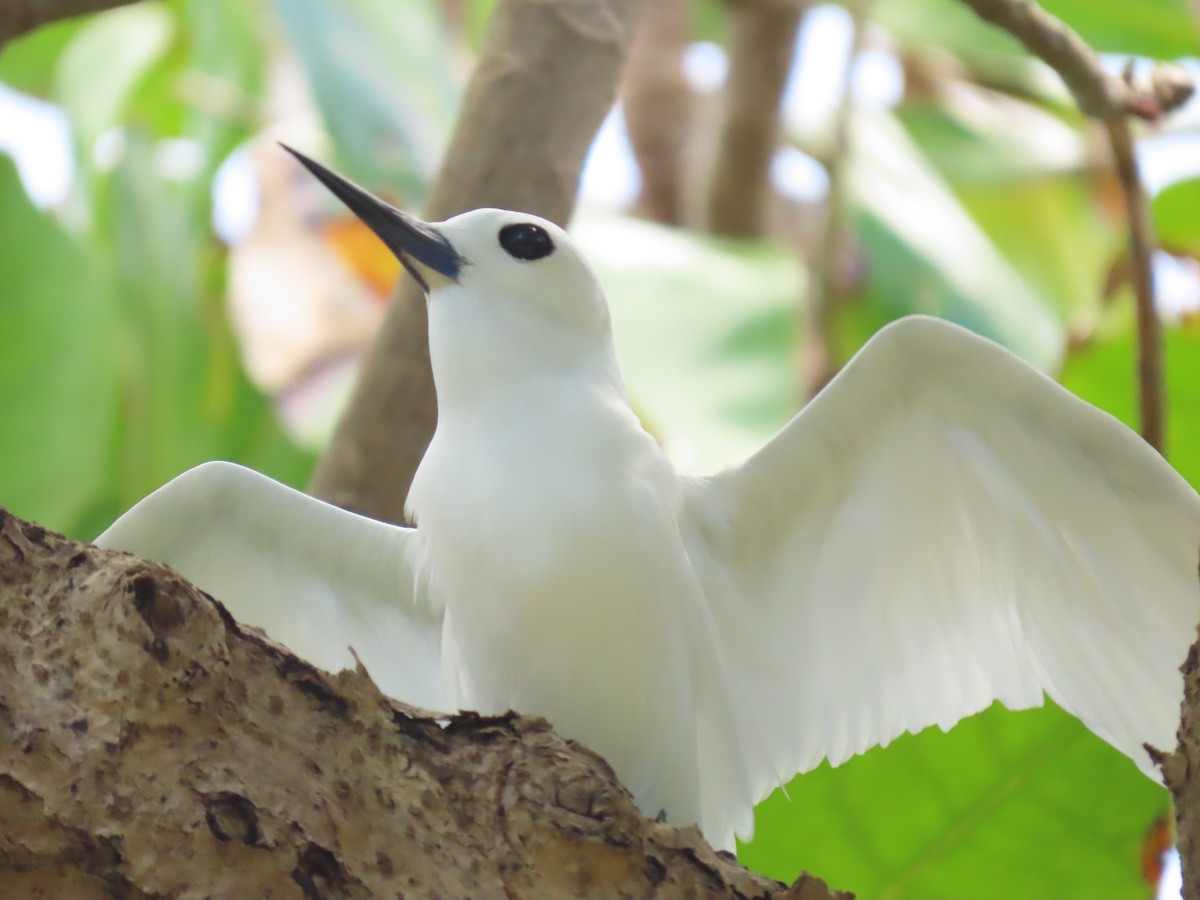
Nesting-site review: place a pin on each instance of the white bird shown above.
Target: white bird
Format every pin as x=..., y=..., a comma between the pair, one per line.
x=940, y=528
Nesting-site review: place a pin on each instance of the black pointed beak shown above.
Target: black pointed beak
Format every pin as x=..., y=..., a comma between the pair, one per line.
x=410, y=239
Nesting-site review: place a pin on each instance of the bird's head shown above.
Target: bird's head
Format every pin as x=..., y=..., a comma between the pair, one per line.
x=510, y=295
x=507, y=290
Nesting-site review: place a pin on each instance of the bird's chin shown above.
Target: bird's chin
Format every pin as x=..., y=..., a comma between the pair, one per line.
x=432, y=280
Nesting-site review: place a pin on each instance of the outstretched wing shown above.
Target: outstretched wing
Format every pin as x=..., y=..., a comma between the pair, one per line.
x=940, y=528
x=314, y=577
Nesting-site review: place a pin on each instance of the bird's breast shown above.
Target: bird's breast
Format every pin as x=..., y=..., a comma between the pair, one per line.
x=551, y=504
x=556, y=553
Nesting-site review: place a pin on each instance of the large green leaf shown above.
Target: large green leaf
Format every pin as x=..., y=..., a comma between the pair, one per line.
x=1053, y=232
x=1162, y=29
x=948, y=24
x=972, y=134
x=57, y=378
x=1105, y=373
x=1014, y=169
x=99, y=69
x=1020, y=806
x=926, y=254
x=185, y=396
x=380, y=74
x=28, y=63
x=705, y=330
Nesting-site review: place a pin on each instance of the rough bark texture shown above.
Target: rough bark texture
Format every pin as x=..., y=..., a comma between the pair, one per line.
x=545, y=79
x=658, y=103
x=20, y=16
x=151, y=747
x=760, y=42
x=1181, y=772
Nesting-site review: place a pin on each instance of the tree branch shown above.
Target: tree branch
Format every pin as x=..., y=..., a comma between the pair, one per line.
x=1112, y=100
x=658, y=104
x=19, y=16
x=760, y=42
x=1097, y=93
x=827, y=288
x=151, y=746
x=1181, y=774
x=545, y=79
x=1151, y=390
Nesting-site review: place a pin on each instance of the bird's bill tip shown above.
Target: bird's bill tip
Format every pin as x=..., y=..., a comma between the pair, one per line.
x=423, y=250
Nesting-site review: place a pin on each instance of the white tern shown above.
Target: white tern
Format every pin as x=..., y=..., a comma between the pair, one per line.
x=940, y=528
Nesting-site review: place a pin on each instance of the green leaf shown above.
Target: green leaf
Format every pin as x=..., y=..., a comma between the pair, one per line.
x=28, y=63
x=1022, y=805
x=1014, y=169
x=972, y=134
x=1104, y=372
x=102, y=65
x=379, y=71
x=57, y=374
x=1160, y=29
x=1177, y=216
x=706, y=332
x=948, y=24
x=927, y=255
x=185, y=397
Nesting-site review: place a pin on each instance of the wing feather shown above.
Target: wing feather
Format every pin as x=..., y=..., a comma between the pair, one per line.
x=315, y=577
x=943, y=527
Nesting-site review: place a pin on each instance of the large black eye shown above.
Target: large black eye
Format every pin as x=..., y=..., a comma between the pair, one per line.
x=526, y=241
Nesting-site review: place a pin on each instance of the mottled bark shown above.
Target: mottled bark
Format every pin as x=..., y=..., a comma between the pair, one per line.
x=657, y=102
x=152, y=747
x=1181, y=772
x=760, y=44
x=546, y=77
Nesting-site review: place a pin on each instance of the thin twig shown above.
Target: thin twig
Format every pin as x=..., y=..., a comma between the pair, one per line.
x=1098, y=94
x=1112, y=100
x=1151, y=391
x=827, y=278
x=760, y=40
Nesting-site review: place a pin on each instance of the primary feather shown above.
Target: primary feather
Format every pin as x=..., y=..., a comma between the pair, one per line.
x=942, y=527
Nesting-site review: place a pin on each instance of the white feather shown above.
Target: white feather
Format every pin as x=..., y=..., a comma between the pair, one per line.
x=943, y=527
x=317, y=578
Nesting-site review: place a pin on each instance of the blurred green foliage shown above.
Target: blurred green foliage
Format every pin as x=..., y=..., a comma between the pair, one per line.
x=119, y=368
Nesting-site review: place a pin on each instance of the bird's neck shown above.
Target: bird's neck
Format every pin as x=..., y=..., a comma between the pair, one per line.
x=483, y=362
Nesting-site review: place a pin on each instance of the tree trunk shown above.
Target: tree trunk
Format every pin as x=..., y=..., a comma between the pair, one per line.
x=152, y=747
x=1181, y=772
x=760, y=44
x=658, y=103
x=545, y=79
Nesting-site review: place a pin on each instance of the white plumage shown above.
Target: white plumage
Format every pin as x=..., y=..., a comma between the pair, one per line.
x=940, y=528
